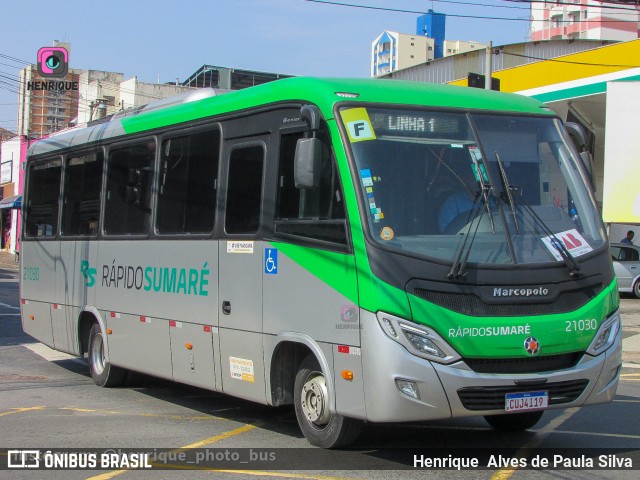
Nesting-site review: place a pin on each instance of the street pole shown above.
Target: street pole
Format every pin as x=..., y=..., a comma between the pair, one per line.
x=488, y=71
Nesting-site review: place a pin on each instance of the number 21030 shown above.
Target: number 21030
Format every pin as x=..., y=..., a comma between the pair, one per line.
x=581, y=325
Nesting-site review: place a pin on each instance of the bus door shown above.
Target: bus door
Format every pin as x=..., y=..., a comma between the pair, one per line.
x=74, y=277
x=241, y=269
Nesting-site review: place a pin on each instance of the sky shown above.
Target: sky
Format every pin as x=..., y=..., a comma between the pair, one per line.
x=165, y=40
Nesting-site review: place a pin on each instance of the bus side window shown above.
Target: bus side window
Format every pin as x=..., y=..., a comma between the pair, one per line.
x=188, y=174
x=44, y=193
x=81, y=196
x=129, y=179
x=312, y=213
x=244, y=190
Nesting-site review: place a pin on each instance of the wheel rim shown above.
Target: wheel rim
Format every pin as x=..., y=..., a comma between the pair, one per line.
x=97, y=354
x=314, y=400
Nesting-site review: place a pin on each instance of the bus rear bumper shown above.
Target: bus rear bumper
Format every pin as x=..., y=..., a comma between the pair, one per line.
x=446, y=391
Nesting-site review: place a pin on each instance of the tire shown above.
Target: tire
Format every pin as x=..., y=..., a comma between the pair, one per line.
x=511, y=422
x=636, y=288
x=102, y=372
x=311, y=398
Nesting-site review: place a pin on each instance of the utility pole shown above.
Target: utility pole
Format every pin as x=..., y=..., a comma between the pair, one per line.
x=488, y=70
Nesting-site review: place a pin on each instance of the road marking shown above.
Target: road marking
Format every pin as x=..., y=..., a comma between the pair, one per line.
x=20, y=410
x=201, y=443
x=9, y=306
x=222, y=436
x=261, y=473
x=134, y=414
x=505, y=473
x=598, y=434
x=50, y=354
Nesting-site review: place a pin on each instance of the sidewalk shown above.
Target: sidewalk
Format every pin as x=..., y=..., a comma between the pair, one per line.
x=8, y=261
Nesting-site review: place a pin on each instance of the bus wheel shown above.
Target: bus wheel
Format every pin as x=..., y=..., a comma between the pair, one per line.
x=512, y=422
x=311, y=398
x=102, y=372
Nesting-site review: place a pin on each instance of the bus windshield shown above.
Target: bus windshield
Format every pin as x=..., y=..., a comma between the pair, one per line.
x=493, y=188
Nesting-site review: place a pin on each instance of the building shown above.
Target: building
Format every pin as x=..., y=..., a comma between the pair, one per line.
x=454, y=47
x=43, y=107
x=584, y=19
x=225, y=78
x=48, y=105
x=13, y=153
x=393, y=51
x=99, y=94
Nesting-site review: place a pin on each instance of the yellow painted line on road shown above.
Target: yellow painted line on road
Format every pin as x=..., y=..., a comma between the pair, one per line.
x=264, y=473
x=20, y=410
x=201, y=443
x=108, y=475
x=152, y=415
x=222, y=436
x=505, y=473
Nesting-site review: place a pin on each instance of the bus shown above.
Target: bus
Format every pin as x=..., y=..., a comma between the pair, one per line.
x=364, y=250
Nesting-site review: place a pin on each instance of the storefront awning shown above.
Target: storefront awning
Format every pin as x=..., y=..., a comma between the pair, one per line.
x=14, y=201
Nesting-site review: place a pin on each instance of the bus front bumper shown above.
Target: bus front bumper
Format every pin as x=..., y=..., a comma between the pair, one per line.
x=446, y=391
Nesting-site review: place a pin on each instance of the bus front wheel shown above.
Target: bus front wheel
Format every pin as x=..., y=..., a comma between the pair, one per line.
x=102, y=372
x=311, y=398
x=511, y=422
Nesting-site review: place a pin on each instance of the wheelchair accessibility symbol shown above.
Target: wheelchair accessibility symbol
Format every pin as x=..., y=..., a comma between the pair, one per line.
x=271, y=261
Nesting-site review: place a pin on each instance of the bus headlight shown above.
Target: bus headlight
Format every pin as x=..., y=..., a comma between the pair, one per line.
x=606, y=335
x=419, y=340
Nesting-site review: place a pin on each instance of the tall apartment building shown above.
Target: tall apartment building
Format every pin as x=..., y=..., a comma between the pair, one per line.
x=584, y=19
x=393, y=51
x=43, y=108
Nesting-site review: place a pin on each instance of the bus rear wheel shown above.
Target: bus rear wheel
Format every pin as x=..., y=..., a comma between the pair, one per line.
x=511, y=422
x=102, y=372
x=311, y=398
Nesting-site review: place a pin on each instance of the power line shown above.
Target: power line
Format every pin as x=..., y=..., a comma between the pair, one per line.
x=454, y=15
x=613, y=5
x=611, y=65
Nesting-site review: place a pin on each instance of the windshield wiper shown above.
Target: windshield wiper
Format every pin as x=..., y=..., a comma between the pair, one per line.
x=568, y=259
x=459, y=264
x=485, y=189
x=506, y=191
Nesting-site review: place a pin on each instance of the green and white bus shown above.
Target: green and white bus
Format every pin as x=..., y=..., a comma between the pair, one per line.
x=368, y=251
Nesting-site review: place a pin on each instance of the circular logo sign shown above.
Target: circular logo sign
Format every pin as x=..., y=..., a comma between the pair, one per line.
x=531, y=345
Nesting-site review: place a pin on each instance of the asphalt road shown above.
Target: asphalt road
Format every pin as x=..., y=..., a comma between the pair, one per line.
x=48, y=401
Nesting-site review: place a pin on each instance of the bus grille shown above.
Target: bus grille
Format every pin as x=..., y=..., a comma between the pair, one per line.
x=493, y=398
x=469, y=304
x=524, y=365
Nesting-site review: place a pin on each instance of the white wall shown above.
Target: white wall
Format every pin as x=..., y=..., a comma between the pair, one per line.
x=621, y=186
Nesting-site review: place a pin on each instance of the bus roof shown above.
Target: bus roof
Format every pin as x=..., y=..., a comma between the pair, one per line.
x=324, y=93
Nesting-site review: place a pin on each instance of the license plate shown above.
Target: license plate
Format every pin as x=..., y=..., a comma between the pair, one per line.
x=519, y=402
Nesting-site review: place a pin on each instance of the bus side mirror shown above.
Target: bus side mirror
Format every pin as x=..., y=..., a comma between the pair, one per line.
x=306, y=166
